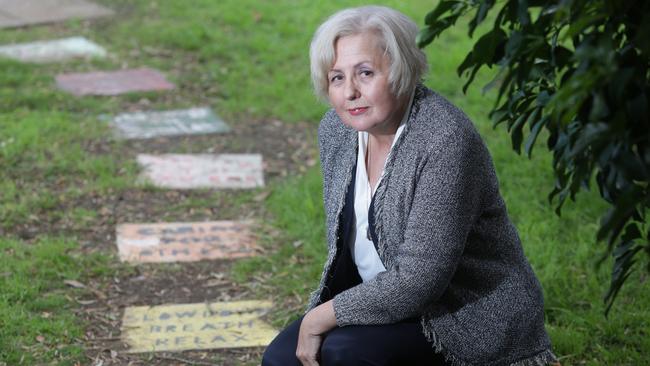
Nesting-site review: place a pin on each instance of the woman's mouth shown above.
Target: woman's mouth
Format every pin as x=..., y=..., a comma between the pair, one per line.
x=357, y=111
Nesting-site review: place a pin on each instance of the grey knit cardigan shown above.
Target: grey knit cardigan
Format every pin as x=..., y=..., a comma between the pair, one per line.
x=452, y=256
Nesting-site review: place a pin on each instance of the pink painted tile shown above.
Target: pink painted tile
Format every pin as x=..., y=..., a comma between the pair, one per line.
x=113, y=82
x=184, y=242
x=20, y=13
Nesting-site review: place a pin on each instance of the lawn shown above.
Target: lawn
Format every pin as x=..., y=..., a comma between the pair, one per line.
x=248, y=61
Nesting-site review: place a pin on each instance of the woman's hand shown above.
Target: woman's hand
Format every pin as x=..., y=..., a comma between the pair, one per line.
x=315, y=323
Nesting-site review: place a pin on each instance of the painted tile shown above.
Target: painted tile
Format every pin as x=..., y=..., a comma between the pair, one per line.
x=52, y=51
x=18, y=13
x=179, y=171
x=197, y=326
x=113, y=82
x=184, y=242
x=143, y=125
x=6, y=19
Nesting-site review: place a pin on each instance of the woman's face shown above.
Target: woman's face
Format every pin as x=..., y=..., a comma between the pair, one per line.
x=359, y=90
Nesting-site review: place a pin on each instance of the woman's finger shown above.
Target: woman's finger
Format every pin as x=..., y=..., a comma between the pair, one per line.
x=308, y=347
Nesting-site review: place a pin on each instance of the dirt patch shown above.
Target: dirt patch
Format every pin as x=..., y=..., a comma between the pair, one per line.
x=153, y=285
x=287, y=149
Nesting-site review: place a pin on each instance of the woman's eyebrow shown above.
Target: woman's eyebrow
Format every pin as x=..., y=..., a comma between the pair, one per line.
x=356, y=66
x=362, y=63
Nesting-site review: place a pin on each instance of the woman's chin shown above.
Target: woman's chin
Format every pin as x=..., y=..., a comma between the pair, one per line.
x=359, y=126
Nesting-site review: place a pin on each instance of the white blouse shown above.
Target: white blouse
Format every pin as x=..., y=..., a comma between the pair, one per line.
x=363, y=250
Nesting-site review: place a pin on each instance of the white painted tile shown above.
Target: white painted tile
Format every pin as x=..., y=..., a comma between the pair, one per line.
x=53, y=50
x=180, y=171
x=142, y=125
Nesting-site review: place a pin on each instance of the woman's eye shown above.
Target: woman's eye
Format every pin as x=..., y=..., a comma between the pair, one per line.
x=336, y=78
x=366, y=73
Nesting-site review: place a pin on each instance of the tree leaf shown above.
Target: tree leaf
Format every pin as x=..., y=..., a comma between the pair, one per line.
x=425, y=36
x=485, y=48
x=481, y=13
x=443, y=7
x=536, y=128
x=623, y=264
x=522, y=12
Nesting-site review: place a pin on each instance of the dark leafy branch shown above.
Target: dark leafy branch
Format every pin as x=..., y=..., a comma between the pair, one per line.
x=580, y=70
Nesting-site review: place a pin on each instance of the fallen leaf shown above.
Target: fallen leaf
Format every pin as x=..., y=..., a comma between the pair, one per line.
x=262, y=196
x=75, y=284
x=99, y=294
x=137, y=279
x=257, y=16
x=213, y=283
x=86, y=302
x=40, y=338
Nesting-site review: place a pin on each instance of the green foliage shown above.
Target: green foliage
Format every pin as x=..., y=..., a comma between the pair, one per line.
x=580, y=70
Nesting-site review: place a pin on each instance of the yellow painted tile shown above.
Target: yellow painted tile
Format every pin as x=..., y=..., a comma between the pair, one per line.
x=197, y=326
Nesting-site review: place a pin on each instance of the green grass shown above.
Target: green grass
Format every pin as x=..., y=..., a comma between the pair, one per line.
x=248, y=60
x=40, y=150
x=36, y=323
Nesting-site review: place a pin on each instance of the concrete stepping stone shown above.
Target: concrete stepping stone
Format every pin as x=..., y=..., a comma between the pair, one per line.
x=178, y=171
x=18, y=13
x=53, y=51
x=143, y=125
x=184, y=242
x=113, y=82
x=196, y=326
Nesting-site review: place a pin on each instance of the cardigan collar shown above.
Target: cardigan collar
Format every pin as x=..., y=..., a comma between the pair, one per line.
x=347, y=162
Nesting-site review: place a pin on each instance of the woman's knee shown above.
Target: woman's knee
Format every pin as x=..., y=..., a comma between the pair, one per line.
x=278, y=356
x=337, y=352
x=282, y=350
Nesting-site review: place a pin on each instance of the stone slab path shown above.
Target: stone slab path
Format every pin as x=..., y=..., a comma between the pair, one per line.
x=53, y=51
x=184, y=242
x=196, y=304
x=18, y=13
x=182, y=327
x=113, y=82
x=143, y=125
x=182, y=171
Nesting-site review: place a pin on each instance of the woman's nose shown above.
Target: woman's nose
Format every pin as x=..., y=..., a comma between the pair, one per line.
x=351, y=90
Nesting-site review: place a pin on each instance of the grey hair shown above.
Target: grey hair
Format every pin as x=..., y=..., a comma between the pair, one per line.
x=396, y=33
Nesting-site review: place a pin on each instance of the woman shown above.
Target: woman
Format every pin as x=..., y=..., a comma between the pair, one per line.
x=424, y=266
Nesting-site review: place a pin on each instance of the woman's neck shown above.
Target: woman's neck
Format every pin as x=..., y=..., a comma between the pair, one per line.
x=383, y=137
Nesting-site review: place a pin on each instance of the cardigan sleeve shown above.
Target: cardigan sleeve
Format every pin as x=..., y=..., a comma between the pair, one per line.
x=445, y=204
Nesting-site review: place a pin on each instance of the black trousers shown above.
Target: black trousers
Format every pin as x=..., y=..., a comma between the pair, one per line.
x=391, y=344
